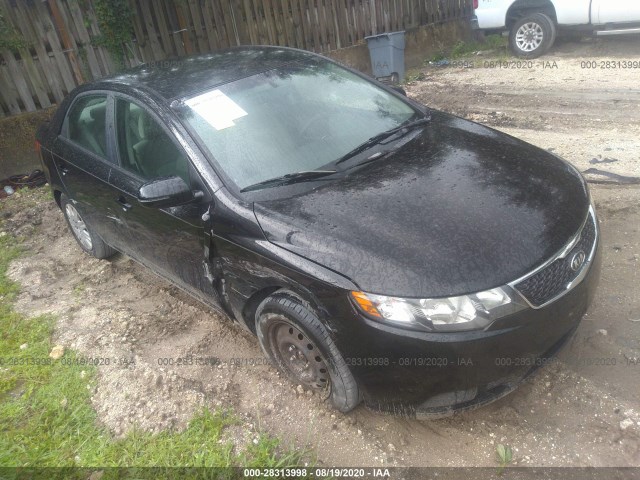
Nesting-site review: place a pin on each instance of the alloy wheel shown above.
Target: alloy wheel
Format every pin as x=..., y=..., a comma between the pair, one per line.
x=79, y=227
x=529, y=37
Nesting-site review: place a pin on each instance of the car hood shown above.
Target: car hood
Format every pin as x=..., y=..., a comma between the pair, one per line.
x=460, y=208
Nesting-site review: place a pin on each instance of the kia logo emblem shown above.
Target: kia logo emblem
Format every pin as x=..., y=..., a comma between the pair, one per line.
x=578, y=260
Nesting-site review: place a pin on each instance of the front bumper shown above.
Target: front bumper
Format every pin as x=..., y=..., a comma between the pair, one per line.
x=420, y=374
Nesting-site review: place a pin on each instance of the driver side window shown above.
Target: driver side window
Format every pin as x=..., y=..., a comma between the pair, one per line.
x=144, y=147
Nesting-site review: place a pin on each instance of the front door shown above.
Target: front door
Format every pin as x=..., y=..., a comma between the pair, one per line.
x=170, y=241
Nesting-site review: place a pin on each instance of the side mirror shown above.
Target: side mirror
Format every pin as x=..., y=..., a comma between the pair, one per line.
x=166, y=192
x=399, y=89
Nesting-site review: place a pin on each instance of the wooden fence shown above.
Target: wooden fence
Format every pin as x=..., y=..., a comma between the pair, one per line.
x=58, y=50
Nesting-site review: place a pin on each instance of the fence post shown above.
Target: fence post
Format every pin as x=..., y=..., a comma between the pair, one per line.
x=66, y=41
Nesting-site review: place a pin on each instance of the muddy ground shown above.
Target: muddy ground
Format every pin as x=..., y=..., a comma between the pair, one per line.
x=575, y=412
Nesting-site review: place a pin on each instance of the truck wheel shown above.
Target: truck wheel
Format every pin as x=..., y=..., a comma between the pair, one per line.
x=532, y=35
x=298, y=344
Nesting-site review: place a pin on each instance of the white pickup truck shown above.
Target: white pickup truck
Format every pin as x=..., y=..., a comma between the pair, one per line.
x=533, y=24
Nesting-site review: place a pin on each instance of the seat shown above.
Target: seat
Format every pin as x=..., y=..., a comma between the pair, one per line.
x=155, y=154
x=89, y=129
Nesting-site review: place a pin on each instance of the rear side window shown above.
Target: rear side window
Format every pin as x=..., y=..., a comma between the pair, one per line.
x=86, y=123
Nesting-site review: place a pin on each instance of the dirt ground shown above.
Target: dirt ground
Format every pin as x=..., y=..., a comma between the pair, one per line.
x=582, y=101
x=17, y=149
x=581, y=411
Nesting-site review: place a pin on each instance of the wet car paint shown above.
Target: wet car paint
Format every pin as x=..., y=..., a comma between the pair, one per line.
x=459, y=209
x=456, y=209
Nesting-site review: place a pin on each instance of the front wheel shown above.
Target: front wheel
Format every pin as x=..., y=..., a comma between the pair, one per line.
x=298, y=344
x=532, y=35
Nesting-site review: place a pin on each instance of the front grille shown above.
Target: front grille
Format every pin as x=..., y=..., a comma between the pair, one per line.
x=556, y=277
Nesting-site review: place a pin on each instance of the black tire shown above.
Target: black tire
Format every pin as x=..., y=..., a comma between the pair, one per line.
x=284, y=320
x=88, y=240
x=532, y=35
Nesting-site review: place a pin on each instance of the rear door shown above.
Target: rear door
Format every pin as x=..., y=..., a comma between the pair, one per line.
x=170, y=241
x=615, y=11
x=83, y=158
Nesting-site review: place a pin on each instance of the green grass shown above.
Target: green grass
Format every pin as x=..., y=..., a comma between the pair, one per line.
x=463, y=49
x=491, y=42
x=414, y=75
x=46, y=418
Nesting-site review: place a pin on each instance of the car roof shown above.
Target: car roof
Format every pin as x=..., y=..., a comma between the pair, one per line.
x=184, y=77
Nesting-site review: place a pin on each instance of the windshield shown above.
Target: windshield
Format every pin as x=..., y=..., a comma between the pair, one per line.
x=296, y=118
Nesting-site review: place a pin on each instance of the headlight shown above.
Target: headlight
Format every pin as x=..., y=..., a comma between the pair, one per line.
x=466, y=312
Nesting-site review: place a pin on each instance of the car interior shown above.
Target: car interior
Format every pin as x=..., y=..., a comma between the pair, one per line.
x=145, y=147
x=87, y=121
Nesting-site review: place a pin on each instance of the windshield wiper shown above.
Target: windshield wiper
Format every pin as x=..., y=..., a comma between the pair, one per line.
x=289, y=178
x=379, y=138
x=310, y=175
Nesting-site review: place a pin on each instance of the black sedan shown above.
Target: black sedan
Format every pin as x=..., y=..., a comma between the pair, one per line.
x=380, y=250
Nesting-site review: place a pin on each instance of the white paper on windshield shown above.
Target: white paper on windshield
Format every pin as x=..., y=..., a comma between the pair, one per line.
x=217, y=109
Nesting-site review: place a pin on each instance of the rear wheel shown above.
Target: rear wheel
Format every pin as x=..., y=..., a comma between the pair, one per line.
x=88, y=240
x=532, y=35
x=298, y=344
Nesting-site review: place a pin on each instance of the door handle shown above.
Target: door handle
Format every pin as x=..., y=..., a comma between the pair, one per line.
x=63, y=168
x=126, y=206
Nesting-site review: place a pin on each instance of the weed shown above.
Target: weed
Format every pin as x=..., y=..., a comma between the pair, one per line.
x=504, y=456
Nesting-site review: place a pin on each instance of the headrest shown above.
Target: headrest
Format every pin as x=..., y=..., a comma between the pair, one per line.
x=147, y=126
x=99, y=112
